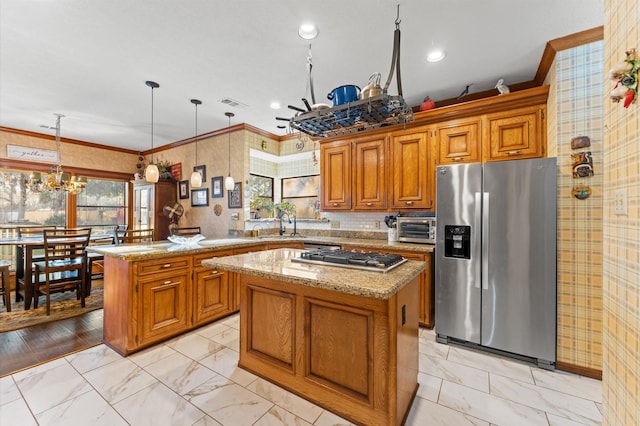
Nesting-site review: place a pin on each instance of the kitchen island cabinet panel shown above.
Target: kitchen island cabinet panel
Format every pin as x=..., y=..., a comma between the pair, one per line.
x=354, y=355
x=211, y=297
x=164, y=307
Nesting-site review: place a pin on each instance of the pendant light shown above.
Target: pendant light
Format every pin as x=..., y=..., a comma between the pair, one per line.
x=229, y=183
x=196, y=177
x=151, y=173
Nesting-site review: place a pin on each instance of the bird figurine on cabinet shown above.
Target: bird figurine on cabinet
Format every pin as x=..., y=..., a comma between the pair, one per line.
x=465, y=92
x=427, y=104
x=502, y=88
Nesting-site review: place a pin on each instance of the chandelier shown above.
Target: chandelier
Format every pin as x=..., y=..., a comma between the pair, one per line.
x=56, y=180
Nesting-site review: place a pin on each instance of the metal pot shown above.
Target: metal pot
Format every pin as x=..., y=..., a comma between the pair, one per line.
x=373, y=88
x=343, y=94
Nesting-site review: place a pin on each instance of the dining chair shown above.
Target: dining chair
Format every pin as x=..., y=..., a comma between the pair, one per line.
x=95, y=267
x=137, y=235
x=118, y=233
x=35, y=254
x=5, y=290
x=64, y=267
x=186, y=232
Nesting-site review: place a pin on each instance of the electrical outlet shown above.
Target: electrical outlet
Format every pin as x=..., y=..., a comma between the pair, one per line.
x=335, y=224
x=376, y=224
x=620, y=201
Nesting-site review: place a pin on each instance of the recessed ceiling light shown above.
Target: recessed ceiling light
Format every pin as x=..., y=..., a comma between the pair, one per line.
x=308, y=31
x=436, y=55
x=275, y=105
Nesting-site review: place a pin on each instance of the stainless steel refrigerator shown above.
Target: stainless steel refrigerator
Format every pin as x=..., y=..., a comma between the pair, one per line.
x=496, y=257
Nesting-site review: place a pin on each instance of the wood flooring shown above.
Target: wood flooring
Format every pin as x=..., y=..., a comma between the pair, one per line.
x=34, y=345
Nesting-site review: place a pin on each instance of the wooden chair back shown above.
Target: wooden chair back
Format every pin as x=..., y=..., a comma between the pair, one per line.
x=136, y=235
x=64, y=266
x=186, y=232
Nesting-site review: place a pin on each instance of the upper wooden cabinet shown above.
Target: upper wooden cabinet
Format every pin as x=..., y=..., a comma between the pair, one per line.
x=515, y=134
x=458, y=141
x=335, y=164
x=370, y=173
x=412, y=183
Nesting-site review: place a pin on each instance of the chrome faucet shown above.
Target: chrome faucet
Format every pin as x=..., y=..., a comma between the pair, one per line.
x=282, y=229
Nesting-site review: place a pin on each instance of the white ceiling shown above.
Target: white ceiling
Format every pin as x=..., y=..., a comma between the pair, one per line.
x=89, y=60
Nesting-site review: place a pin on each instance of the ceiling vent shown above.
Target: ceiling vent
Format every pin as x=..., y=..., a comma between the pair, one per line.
x=233, y=103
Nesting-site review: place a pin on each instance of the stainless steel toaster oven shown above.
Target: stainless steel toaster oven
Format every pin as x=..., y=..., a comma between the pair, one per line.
x=416, y=227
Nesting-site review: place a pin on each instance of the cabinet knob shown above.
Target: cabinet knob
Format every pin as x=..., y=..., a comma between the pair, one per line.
x=335, y=204
x=369, y=204
x=166, y=282
x=409, y=203
x=516, y=152
x=166, y=265
x=456, y=159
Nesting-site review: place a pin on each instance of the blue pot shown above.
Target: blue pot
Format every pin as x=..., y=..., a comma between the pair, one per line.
x=343, y=94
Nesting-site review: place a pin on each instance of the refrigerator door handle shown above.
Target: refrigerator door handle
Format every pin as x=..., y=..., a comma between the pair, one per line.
x=485, y=241
x=476, y=235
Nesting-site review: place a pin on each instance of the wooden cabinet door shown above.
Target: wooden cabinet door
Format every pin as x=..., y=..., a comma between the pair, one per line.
x=412, y=183
x=515, y=134
x=210, y=295
x=370, y=173
x=163, y=305
x=458, y=141
x=335, y=175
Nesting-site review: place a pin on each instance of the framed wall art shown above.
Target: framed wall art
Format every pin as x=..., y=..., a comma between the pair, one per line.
x=216, y=187
x=235, y=196
x=200, y=197
x=202, y=170
x=183, y=189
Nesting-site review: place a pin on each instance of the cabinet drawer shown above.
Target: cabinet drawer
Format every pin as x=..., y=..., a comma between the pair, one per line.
x=162, y=265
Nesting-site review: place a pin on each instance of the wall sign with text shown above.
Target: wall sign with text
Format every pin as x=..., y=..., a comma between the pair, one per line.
x=32, y=154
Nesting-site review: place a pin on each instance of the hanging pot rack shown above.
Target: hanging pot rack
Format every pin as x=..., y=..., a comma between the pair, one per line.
x=364, y=114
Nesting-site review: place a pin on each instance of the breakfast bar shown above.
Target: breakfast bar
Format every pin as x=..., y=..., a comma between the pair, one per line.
x=346, y=340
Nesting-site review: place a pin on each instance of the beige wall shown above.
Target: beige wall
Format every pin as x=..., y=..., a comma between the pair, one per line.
x=74, y=154
x=621, y=291
x=575, y=109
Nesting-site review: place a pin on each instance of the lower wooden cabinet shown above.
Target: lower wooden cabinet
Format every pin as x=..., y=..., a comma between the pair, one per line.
x=211, y=296
x=164, y=306
x=146, y=302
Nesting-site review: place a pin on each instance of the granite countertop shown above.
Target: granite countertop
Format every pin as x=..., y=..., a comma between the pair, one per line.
x=161, y=249
x=277, y=265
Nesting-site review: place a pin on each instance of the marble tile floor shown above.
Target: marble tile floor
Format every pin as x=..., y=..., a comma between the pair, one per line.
x=194, y=380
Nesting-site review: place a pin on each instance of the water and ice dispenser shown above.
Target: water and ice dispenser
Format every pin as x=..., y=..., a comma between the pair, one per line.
x=457, y=241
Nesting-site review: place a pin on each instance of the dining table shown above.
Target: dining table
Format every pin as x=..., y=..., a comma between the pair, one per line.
x=25, y=247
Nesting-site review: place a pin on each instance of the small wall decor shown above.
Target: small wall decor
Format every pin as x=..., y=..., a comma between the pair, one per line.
x=183, y=189
x=582, y=164
x=581, y=192
x=216, y=187
x=200, y=197
x=235, y=196
x=626, y=76
x=580, y=142
x=176, y=172
x=202, y=170
x=217, y=209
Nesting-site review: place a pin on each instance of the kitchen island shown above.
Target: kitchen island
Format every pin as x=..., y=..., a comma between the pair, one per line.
x=346, y=340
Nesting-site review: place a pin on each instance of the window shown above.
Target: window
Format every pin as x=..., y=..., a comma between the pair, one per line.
x=18, y=207
x=260, y=195
x=102, y=205
x=303, y=192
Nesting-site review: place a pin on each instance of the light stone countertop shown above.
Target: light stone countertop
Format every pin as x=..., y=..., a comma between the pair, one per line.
x=277, y=265
x=162, y=249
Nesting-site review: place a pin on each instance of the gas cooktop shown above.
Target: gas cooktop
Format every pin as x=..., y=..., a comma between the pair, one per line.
x=367, y=261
